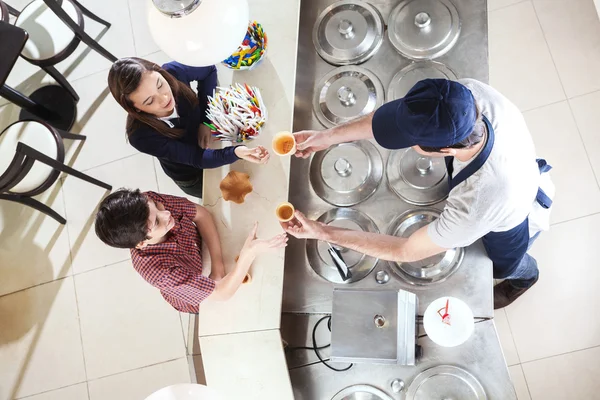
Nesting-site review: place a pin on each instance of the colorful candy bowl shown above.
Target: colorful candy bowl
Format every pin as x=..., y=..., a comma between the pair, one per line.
x=252, y=50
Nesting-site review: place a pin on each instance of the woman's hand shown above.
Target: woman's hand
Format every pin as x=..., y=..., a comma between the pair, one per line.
x=253, y=246
x=204, y=136
x=257, y=155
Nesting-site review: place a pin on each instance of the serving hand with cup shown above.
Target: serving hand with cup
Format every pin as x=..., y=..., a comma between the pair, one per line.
x=284, y=144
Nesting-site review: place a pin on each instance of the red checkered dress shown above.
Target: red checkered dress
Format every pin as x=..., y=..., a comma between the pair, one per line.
x=175, y=265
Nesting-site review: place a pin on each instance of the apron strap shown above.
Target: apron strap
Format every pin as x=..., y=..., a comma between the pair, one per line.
x=541, y=197
x=474, y=165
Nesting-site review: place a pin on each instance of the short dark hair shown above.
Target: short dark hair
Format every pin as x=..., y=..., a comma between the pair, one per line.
x=122, y=219
x=474, y=138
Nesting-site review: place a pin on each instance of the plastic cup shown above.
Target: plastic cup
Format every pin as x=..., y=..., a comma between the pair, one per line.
x=285, y=212
x=284, y=144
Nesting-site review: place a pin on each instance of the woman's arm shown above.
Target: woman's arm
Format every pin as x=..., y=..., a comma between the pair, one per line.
x=151, y=142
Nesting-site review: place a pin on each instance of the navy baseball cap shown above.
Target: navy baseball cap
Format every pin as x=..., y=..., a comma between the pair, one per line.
x=434, y=113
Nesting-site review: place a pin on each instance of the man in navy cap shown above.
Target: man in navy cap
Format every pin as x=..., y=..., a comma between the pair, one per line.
x=495, y=179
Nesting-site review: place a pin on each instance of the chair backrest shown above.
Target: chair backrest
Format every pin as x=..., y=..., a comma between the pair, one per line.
x=30, y=144
x=12, y=41
x=18, y=169
x=4, y=15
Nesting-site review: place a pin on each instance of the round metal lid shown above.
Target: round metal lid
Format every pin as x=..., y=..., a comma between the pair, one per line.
x=445, y=382
x=417, y=179
x=361, y=392
x=347, y=173
x=424, y=29
x=346, y=93
x=430, y=270
x=359, y=264
x=408, y=76
x=348, y=32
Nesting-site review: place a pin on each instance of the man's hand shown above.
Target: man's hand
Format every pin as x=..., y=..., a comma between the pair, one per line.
x=204, y=136
x=253, y=246
x=308, y=142
x=257, y=155
x=303, y=228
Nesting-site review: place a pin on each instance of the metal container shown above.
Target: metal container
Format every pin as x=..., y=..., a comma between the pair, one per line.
x=434, y=269
x=424, y=29
x=347, y=93
x=408, y=76
x=348, y=32
x=373, y=326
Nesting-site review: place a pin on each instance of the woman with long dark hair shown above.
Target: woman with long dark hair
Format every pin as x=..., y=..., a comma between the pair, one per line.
x=166, y=118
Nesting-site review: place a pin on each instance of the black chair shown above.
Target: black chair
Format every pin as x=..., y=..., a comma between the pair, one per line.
x=55, y=28
x=51, y=103
x=32, y=157
x=4, y=13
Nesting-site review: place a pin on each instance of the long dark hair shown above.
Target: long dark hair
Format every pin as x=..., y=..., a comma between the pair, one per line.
x=124, y=78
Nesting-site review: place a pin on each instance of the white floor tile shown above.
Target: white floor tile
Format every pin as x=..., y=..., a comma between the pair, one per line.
x=505, y=335
x=140, y=383
x=572, y=30
x=496, y=4
x=144, y=44
x=118, y=40
x=567, y=376
x=585, y=110
x=46, y=241
x=75, y=392
x=521, y=67
x=559, y=313
x=82, y=199
x=41, y=342
x=125, y=322
x=557, y=140
x=102, y=120
x=518, y=379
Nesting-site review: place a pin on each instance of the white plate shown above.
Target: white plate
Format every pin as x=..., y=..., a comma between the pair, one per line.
x=461, y=323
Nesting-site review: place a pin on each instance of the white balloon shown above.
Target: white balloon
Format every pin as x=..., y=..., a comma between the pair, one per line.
x=185, y=391
x=207, y=36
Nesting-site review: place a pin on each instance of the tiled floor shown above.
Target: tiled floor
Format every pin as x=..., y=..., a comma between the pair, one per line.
x=78, y=323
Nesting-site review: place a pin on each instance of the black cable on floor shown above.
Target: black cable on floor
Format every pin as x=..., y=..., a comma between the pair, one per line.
x=316, y=348
x=314, y=342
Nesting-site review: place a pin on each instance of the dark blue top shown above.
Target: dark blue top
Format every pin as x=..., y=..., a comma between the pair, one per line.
x=182, y=159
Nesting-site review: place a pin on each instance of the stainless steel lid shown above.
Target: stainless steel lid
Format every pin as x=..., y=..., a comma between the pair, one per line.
x=359, y=264
x=430, y=270
x=361, y=392
x=347, y=173
x=348, y=32
x=417, y=179
x=346, y=93
x=424, y=29
x=445, y=382
x=408, y=76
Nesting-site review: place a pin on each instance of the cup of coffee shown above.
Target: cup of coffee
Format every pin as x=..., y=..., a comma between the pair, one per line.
x=285, y=212
x=284, y=144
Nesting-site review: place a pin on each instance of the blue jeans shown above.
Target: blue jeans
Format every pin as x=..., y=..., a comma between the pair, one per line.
x=527, y=270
